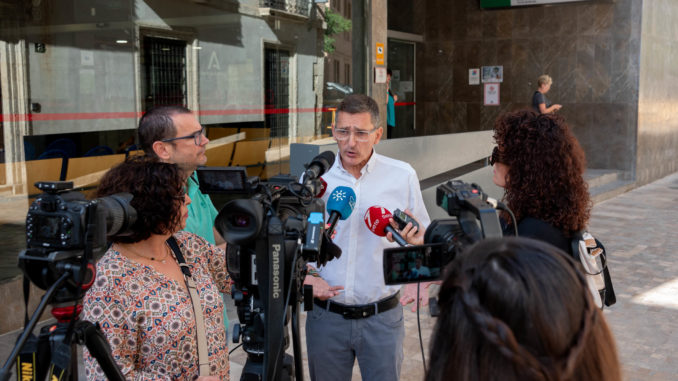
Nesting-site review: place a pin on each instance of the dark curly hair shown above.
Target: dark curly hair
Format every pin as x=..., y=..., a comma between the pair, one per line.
x=158, y=190
x=518, y=309
x=545, y=169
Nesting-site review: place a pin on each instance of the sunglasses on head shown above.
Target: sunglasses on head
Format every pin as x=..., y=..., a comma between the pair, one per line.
x=494, y=158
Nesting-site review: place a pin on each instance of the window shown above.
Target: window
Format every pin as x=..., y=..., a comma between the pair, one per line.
x=165, y=71
x=347, y=74
x=337, y=76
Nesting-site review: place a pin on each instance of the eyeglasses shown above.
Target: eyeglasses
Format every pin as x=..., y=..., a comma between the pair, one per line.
x=495, y=157
x=360, y=135
x=196, y=136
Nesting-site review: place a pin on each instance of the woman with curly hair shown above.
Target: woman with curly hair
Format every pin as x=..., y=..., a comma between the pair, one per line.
x=140, y=297
x=517, y=309
x=540, y=165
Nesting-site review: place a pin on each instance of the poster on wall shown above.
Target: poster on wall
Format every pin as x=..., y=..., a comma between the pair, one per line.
x=474, y=76
x=491, y=94
x=493, y=74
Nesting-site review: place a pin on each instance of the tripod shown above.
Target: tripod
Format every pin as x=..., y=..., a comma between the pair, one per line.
x=62, y=339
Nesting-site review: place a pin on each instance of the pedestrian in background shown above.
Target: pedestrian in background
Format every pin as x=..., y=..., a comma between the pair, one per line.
x=540, y=103
x=390, y=106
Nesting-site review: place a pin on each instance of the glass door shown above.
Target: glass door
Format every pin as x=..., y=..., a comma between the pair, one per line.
x=401, y=61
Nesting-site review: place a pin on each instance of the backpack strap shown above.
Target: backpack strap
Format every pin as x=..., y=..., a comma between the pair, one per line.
x=203, y=356
x=610, y=297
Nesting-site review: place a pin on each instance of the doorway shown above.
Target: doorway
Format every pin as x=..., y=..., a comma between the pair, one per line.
x=401, y=60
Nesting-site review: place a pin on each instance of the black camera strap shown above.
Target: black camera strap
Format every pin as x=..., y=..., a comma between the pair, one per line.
x=27, y=360
x=203, y=357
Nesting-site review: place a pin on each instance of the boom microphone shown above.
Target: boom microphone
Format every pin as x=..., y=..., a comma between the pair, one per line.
x=340, y=205
x=376, y=219
x=319, y=165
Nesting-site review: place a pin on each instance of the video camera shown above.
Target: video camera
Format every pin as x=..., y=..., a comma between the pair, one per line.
x=475, y=218
x=272, y=234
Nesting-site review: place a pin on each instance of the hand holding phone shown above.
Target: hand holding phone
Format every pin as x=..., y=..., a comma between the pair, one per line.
x=402, y=219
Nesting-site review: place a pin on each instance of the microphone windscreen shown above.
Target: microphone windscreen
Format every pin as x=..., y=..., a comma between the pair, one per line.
x=323, y=188
x=342, y=201
x=376, y=219
x=324, y=161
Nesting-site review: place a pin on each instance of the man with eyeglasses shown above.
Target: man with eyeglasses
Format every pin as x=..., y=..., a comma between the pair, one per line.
x=174, y=135
x=355, y=314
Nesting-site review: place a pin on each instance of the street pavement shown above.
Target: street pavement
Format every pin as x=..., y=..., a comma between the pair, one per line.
x=638, y=229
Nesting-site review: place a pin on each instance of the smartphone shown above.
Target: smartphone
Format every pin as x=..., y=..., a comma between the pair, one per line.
x=410, y=264
x=402, y=219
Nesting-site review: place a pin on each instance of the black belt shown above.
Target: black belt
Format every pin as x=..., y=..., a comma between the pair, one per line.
x=361, y=311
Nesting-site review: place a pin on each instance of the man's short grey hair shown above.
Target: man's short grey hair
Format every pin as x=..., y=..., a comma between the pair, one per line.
x=359, y=103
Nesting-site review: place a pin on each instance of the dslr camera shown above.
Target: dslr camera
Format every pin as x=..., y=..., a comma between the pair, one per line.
x=474, y=218
x=66, y=233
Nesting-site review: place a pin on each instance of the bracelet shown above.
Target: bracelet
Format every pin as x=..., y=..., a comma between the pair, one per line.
x=313, y=272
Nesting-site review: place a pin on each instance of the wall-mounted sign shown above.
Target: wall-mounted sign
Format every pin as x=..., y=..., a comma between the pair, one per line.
x=474, y=76
x=492, y=74
x=379, y=75
x=380, y=53
x=519, y=3
x=491, y=94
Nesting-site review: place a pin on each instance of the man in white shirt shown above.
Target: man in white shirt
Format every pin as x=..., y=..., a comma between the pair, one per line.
x=355, y=314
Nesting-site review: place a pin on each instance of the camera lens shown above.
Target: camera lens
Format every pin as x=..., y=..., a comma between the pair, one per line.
x=241, y=220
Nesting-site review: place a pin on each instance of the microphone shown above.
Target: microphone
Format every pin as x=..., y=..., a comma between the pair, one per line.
x=340, y=205
x=319, y=165
x=376, y=219
x=322, y=188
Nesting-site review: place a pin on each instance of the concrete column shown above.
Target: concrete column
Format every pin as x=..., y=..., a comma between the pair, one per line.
x=14, y=91
x=377, y=29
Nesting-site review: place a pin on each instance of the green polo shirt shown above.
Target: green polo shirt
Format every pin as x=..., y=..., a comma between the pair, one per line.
x=201, y=215
x=201, y=212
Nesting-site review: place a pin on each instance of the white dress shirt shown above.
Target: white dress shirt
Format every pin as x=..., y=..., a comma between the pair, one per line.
x=384, y=182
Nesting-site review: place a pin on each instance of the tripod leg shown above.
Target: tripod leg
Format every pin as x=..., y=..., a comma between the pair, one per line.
x=296, y=343
x=99, y=348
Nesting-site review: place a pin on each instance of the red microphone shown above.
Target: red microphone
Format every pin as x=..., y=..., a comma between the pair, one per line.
x=323, y=188
x=376, y=219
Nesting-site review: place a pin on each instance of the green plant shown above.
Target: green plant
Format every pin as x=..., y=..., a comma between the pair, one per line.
x=336, y=24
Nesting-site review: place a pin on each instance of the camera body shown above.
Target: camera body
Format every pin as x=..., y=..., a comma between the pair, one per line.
x=474, y=218
x=66, y=233
x=58, y=220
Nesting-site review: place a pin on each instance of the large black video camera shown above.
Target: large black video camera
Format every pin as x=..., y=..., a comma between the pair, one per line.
x=271, y=234
x=66, y=232
x=475, y=218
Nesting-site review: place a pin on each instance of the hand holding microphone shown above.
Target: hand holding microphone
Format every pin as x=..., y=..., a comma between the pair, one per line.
x=378, y=220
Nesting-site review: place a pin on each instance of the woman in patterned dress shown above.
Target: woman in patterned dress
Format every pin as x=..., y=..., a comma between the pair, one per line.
x=140, y=297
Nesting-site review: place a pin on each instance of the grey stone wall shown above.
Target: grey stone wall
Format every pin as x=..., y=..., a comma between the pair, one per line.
x=657, y=153
x=591, y=49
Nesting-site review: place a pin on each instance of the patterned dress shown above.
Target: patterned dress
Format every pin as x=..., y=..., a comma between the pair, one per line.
x=148, y=318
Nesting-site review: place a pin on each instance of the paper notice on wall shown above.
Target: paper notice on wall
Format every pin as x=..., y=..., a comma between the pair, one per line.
x=474, y=76
x=491, y=94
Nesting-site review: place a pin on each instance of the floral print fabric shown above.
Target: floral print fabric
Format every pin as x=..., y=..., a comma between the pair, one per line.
x=148, y=317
